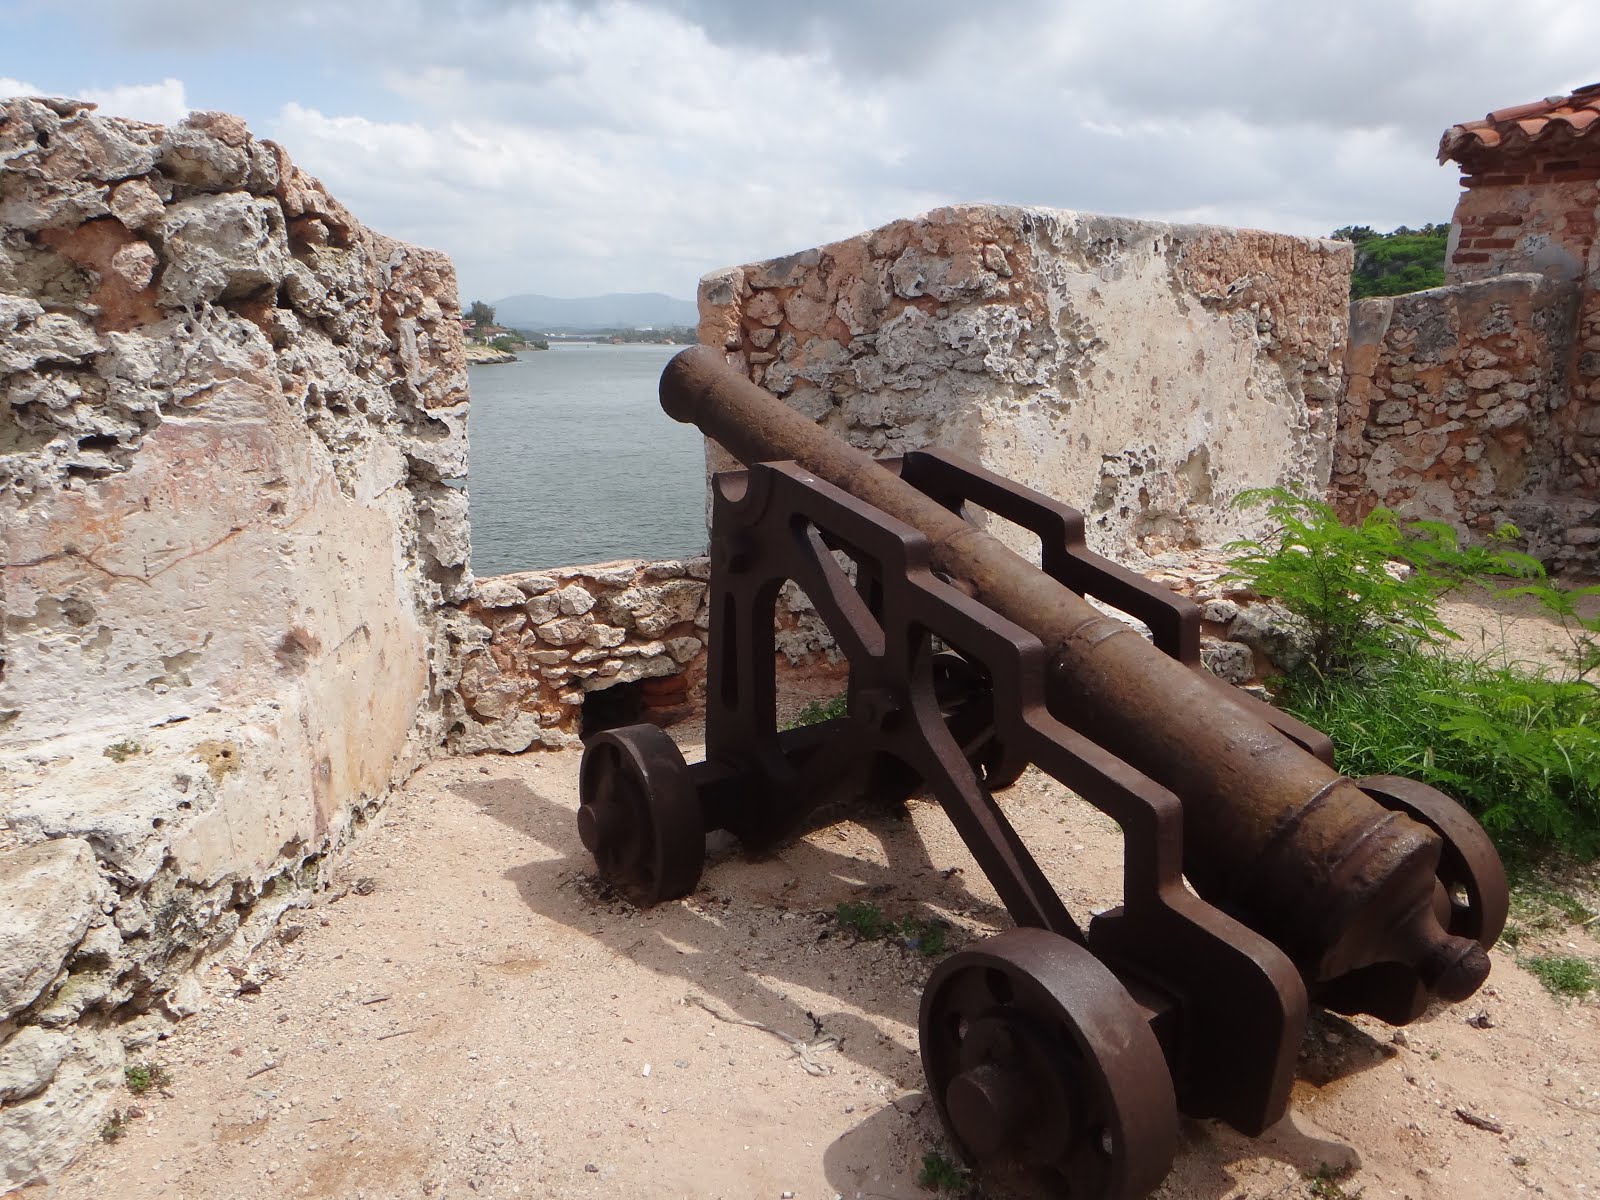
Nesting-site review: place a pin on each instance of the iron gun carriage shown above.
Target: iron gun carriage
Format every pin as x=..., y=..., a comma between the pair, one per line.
x=1257, y=880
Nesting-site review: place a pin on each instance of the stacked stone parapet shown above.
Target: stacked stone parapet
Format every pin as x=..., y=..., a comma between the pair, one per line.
x=536, y=644
x=1454, y=405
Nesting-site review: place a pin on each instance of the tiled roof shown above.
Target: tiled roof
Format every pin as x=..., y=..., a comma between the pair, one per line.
x=1554, y=121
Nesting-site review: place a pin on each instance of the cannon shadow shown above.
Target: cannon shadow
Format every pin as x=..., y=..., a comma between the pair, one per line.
x=704, y=942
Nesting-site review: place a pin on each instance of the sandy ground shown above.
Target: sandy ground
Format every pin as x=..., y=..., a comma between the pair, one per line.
x=484, y=1021
x=1511, y=629
x=466, y=1013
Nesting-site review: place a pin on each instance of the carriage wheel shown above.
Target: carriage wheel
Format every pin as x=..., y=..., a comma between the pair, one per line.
x=639, y=814
x=1041, y=1063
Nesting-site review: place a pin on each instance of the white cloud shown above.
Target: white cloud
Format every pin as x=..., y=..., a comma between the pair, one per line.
x=626, y=150
x=159, y=103
x=16, y=87
x=579, y=146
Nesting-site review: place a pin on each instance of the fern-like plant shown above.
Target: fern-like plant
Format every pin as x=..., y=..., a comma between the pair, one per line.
x=1361, y=589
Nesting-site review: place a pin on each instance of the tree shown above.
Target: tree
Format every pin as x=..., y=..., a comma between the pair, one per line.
x=480, y=314
x=1391, y=264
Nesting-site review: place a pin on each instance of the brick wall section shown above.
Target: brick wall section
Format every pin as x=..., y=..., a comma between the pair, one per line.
x=1580, y=422
x=1541, y=219
x=1454, y=405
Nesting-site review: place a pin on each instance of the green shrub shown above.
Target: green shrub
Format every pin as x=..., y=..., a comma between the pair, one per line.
x=1583, y=633
x=142, y=1077
x=1520, y=751
x=1360, y=589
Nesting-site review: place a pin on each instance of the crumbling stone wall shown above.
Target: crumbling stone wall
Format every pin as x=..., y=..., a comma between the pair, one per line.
x=535, y=644
x=231, y=426
x=1145, y=373
x=1580, y=423
x=1536, y=208
x=1454, y=408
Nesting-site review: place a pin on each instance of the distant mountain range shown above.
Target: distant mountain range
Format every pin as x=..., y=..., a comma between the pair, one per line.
x=622, y=310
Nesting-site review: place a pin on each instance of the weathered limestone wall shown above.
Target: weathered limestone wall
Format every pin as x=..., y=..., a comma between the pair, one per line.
x=230, y=418
x=1144, y=373
x=1452, y=411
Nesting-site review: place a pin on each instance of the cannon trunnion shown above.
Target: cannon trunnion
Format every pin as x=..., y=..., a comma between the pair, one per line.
x=1053, y=1049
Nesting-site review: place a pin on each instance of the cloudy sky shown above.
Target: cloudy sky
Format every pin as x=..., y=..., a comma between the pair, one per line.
x=576, y=148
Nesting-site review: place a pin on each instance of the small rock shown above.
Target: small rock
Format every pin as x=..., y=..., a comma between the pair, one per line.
x=911, y=1103
x=591, y=1168
x=1231, y=662
x=1273, y=631
x=28, y=1061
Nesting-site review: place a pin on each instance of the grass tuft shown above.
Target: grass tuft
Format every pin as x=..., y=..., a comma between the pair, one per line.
x=868, y=922
x=817, y=711
x=1563, y=974
x=940, y=1174
x=143, y=1077
x=1327, y=1182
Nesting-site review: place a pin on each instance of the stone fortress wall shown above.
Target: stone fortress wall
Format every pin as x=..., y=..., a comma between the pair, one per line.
x=1012, y=336
x=1450, y=409
x=1478, y=403
x=232, y=430
x=237, y=597
x=1145, y=373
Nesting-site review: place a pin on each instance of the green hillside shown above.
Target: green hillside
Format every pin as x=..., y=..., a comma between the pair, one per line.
x=1391, y=264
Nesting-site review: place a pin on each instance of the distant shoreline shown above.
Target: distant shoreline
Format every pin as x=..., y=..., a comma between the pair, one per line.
x=479, y=355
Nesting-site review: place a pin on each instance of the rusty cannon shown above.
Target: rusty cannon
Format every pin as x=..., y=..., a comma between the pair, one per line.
x=1256, y=879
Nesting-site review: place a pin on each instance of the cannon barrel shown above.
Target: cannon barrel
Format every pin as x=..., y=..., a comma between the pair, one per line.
x=1271, y=834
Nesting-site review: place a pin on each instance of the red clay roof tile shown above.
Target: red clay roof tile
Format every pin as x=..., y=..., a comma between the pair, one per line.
x=1522, y=126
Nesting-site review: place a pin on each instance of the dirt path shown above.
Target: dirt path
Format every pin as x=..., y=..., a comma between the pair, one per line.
x=482, y=1022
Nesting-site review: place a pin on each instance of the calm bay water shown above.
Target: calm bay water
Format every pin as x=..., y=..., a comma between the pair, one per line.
x=573, y=461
